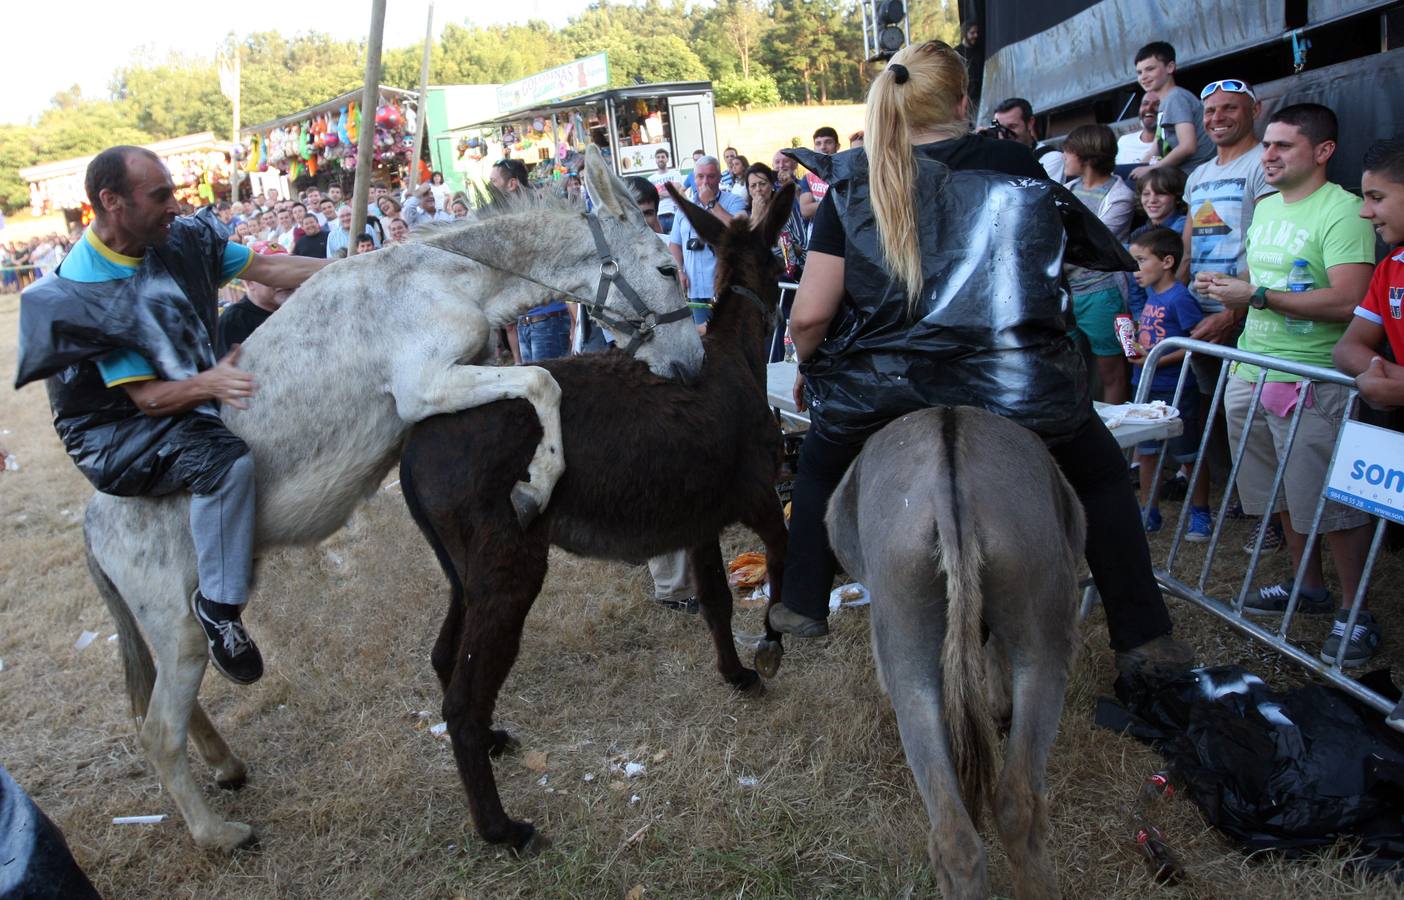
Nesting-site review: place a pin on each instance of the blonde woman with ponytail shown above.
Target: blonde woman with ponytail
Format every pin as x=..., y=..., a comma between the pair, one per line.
x=874, y=235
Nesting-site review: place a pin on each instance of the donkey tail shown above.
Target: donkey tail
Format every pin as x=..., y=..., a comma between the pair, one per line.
x=970, y=726
x=137, y=665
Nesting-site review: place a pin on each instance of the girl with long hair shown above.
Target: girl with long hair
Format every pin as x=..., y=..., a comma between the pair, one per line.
x=866, y=262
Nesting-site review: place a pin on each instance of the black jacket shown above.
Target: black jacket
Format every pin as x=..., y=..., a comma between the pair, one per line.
x=991, y=327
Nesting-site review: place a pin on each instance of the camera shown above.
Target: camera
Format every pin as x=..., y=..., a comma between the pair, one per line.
x=997, y=131
x=695, y=243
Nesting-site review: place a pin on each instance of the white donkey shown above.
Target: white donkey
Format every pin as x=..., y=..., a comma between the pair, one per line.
x=362, y=351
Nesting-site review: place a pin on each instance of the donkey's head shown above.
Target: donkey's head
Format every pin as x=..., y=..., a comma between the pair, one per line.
x=631, y=278
x=747, y=272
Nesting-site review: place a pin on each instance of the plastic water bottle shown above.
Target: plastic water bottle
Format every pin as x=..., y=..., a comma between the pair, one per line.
x=1299, y=280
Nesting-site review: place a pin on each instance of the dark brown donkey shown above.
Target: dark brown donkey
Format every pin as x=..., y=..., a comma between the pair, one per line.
x=652, y=465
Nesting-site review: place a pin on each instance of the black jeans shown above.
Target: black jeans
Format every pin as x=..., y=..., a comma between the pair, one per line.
x=1117, y=552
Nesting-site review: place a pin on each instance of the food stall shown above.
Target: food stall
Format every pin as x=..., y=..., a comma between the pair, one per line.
x=322, y=139
x=200, y=165
x=546, y=119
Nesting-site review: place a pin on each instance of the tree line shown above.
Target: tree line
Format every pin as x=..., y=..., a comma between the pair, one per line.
x=756, y=52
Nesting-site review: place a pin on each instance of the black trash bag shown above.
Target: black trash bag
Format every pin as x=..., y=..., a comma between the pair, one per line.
x=1292, y=772
x=167, y=313
x=35, y=863
x=990, y=329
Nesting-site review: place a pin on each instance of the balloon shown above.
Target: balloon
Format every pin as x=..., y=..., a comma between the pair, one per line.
x=341, y=128
x=353, y=123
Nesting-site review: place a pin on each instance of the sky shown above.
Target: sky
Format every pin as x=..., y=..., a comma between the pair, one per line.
x=63, y=42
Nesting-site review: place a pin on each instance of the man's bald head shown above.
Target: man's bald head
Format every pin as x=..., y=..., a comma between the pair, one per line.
x=108, y=171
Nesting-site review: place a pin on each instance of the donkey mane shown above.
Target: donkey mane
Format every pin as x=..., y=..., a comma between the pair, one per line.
x=493, y=205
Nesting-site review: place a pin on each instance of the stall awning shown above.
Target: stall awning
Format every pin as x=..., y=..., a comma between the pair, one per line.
x=329, y=106
x=190, y=143
x=633, y=92
x=192, y=159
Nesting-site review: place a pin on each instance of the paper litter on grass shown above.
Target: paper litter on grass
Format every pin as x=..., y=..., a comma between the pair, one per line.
x=848, y=596
x=139, y=820
x=748, y=781
x=85, y=639
x=439, y=730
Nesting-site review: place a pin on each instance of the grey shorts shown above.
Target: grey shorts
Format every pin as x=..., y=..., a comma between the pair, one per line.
x=1307, y=466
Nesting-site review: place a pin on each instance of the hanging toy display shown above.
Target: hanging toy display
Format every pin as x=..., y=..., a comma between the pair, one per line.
x=328, y=140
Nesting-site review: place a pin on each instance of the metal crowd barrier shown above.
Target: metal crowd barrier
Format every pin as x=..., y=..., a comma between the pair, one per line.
x=1189, y=587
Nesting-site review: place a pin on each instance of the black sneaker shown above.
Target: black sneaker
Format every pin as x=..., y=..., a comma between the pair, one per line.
x=687, y=605
x=1271, y=600
x=1364, y=639
x=231, y=649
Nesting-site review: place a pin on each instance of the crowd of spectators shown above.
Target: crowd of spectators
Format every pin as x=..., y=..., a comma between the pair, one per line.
x=21, y=262
x=1241, y=240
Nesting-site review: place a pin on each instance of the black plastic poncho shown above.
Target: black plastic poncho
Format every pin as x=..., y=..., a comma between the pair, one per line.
x=166, y=312
x=991, y=327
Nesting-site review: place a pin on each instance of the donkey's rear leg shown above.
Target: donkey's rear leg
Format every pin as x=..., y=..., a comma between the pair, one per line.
x=1021, y=805
x=230, y=771
x=908, y=628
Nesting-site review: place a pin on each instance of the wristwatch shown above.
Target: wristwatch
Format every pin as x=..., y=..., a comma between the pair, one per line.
x=1259, y=298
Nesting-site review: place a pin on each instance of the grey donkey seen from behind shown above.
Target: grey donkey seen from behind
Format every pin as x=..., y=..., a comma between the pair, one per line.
x=960, y=523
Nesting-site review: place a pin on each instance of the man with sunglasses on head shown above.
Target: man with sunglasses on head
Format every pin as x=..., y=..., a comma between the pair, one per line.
x=1221, y=196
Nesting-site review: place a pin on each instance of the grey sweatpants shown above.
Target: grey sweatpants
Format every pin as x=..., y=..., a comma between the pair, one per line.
x=222, y=524
x=672, y=577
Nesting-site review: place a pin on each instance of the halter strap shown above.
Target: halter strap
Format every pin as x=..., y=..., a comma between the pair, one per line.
x=766, y=309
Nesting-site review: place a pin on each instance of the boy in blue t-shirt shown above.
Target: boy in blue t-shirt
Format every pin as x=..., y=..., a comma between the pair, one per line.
x=1169, y=311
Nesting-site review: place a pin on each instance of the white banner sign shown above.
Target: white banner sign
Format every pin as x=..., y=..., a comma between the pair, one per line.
x=1369, y=471
x=573, y=78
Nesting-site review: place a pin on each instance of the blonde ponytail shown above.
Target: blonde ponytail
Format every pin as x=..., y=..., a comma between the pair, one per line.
x=921, y=89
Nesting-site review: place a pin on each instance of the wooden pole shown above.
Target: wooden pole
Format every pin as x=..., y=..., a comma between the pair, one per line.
x=421, y=119
x=370, y=99
x=233, y=158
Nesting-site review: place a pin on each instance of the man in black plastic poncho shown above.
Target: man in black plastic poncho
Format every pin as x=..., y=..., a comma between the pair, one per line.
x=123, y=332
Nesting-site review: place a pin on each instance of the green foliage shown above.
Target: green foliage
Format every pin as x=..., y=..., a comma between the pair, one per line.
x=735, y=90
x=174, y=98
x=756, y=52
x=19, y=147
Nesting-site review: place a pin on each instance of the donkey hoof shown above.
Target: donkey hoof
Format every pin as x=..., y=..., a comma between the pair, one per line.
x=234, y=782
x=745, y=680
x=502, y=742
x=229, y=837
x=768, y=656
x=525, y=504
x=526, y=840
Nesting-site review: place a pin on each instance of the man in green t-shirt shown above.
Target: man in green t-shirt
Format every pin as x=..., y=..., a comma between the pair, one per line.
x=1316, y=222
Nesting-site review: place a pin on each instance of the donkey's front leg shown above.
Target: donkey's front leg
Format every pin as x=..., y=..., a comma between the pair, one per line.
x=181, y=653
x=431, y=390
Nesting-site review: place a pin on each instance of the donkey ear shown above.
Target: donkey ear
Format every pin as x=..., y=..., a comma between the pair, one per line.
x=602, y=184
x=777, y=214
x=708, y=227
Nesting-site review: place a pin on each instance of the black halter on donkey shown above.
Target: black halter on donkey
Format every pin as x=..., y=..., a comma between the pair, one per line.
x=628, y=493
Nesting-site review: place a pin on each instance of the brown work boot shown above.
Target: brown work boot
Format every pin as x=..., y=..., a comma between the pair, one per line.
x=787, y=621
x=1157, y=658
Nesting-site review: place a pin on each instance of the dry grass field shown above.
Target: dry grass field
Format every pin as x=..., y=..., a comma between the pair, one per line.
x=801, y=791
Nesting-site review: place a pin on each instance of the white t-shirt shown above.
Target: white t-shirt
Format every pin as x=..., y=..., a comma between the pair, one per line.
x=1131, y=150
x=1221, y=199
x=666, y=206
